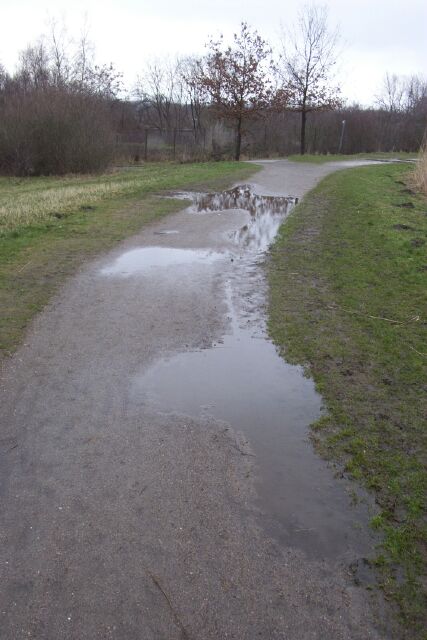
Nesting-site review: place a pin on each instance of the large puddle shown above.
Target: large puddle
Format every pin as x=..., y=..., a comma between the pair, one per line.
x=266, y=214
x=243, y=382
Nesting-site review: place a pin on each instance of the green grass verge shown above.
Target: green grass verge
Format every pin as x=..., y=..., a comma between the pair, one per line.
x=334, y=157
x=348, y=282
x=68, y=220
x=36, y=201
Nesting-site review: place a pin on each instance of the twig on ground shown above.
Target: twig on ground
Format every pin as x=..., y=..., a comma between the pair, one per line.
x=419, y=352
x=365, y=315
x=177, y=620
x=22, y=268
x=243, y=453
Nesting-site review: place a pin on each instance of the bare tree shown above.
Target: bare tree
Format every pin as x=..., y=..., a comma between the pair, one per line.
x=402, y=93
x=416, y=94
x=83, y=57
x=58, y=46
x=402, y=103
x=392, y=94
x=160, y=90
x=103, y=81
x=236, y=79
x=309, y=55
x=189, y=68
x=3, y=77
x=34, y=65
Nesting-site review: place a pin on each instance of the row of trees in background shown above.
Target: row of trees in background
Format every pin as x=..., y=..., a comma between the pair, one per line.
x=177, y=113
x=242, y=83
x=60, y=112
x=239, y=97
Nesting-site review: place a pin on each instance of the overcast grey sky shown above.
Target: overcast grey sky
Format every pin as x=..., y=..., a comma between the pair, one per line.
x=378, y=35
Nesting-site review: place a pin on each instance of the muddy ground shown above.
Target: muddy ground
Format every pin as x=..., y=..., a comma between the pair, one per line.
x=156, y=475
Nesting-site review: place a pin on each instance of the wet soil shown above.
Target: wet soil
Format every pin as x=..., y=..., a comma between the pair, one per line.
x=157, y=477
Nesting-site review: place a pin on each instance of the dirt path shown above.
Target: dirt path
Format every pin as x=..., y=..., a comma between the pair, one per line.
x=150, y=486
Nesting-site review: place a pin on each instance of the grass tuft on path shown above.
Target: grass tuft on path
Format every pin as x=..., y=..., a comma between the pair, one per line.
x=49, y=226
x=348, y=282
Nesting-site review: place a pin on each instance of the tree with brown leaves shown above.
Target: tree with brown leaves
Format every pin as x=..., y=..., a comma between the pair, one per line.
x=236, y=80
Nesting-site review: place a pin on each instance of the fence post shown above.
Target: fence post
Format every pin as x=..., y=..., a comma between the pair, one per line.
x=342, y=136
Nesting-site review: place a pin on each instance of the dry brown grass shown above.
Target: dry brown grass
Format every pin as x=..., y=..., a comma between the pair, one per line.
x=39, y=201
x=420, y=172
x=21, y=208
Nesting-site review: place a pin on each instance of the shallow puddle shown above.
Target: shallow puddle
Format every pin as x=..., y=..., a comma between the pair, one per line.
x=266, y=213
x=243, y=197
x=142, y=259
x=260, y=231
x=244, y=382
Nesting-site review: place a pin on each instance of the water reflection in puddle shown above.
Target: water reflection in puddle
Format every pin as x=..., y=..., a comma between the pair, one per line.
x=266, y=213
x=139, y=260
x=242, y=197
x=245, y=383
x=259, y=233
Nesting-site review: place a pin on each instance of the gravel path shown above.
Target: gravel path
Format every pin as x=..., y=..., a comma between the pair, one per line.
x=121, y=518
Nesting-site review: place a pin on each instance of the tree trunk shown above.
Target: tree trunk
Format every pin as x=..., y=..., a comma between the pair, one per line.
x=238, y=139
x=303, y=123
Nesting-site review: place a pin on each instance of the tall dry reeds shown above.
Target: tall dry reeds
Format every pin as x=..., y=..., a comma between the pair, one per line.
x=420, y=172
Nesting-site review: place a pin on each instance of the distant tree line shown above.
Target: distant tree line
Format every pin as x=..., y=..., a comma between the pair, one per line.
x=60, y=112
x=203, y=131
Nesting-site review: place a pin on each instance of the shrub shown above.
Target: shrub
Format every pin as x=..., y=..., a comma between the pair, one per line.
x=53, y=130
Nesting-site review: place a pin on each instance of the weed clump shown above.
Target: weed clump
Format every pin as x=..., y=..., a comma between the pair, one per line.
x=420, y=172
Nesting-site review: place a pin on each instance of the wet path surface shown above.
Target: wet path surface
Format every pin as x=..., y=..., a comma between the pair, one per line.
x=156, y=474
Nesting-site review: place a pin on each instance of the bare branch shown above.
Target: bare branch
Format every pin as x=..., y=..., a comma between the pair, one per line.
x=307, y=64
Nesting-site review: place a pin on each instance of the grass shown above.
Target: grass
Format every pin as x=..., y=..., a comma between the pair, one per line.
x=35, y=201
x=48, y=226
x=335, y=157
x=349, y=302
